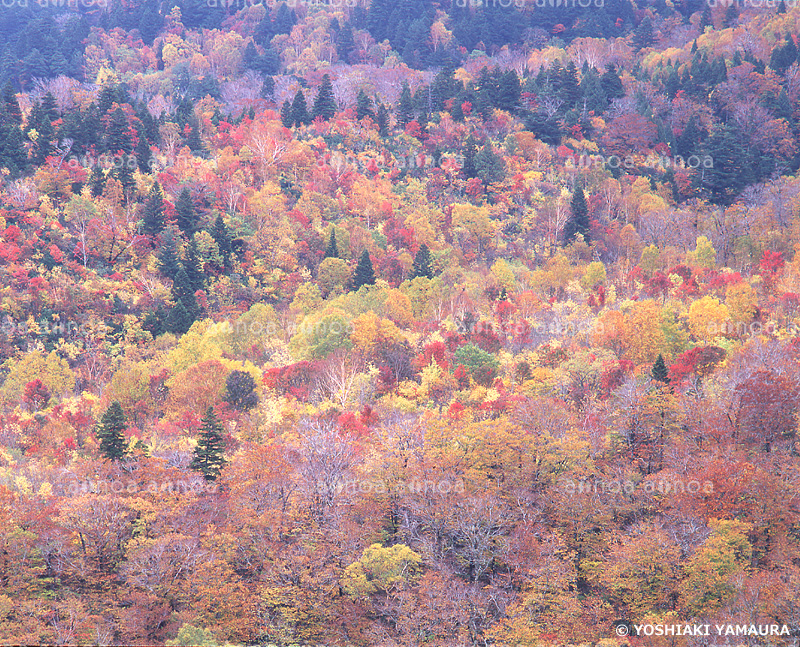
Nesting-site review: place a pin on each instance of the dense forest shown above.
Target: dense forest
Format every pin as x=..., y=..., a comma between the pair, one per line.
x=399, y=323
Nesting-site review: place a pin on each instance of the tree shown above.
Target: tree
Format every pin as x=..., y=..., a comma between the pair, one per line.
x=286, y=114
x=153, y=212
x=364, y=106
x=325, y=103
x=659, y=372
x=186, y=310
x=185, y=213
x=240, y=391
x=405, y=108
x=422, y=263
x=364, y=274
x=208, y=454
x=109, y=432
x=300, y=114
x=168, y=263
x=222, y=238
x=578, y=222
x=332, y=250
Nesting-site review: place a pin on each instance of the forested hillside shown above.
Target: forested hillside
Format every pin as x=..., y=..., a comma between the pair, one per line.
x=398, y=323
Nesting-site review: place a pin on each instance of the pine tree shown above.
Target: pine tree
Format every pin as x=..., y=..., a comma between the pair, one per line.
x=240, y=391
x=732, y=169
x=222, y=237
x=325, y=103
x=422, y=263
x=611, y=83
x=332, y=250
x=168, y=263
x=383, y=120
x=578, y=222
x=405, y=108
x=143, y=153
x=489, y=166
x=153, y=212
x=286, y=114
x=192, y=266
x=186, y=310
x=300, y=114
x=659, y=371
x=208, y=454
x=118, y=137
x=364, y=107
x=570, y=88
x=11, y=105
x=345, y=43
x=109, y=432
x=364, y=274
x=97, y=181
x=470, y=152
x=185, y=213
x=509, y=92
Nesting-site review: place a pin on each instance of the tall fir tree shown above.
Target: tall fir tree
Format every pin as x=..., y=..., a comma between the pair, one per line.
x=286, y=114
x=143, y=153
x=364, y=106
x=185, y=213
x=209, y=456
x=222, y=237
x=364, y=274
x=659, y=371
x=578, y=222
x=325, y=103
x=300, y=114
x=405, y=108
x=110, y=432
x=422, y=263
x=168, y=263
x=153, y=212
x=332, y=250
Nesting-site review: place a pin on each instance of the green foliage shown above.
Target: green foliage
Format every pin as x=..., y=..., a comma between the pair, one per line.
x=364, y=274
x=325, y=103
x=208, y=454
x=422, y=263
x=109, y=432
x=191, y=636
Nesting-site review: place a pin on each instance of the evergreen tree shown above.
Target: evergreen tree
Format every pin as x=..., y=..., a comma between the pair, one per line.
x=732, y=169
x=509, y=91
x=570, y=89
x=611, y=83
x=364, y=107
x=267, y=88
x=50, y=107
x=332, y=250
x=240, y=391
x=383, y=120
x=643, y=36
x=364, y=274
x=185, y=213
x=193, y=141
x=286, y=114
x=422, y=263
x=705, y=19
x=97, y=181
x=109, y=432
x=153, y=212
x=192, y=266
x=578, y=222
x=659, y=371
x=208, y=454
x=300, y=114
x=186, y=310
x=489, y=166
x=345, y=43
x=222, y=237
x=168, y=263
x=470, y=153
x=11, y=105
x=143, y=154
x=405, y=108
x=325, y=103
x=118, y=137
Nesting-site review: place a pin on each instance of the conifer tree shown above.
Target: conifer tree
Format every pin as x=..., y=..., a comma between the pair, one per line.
x=143, y=153
x=470, y=152
x=364, y=274
x=325, y=103
x=286, y=114
x=332, y=250
x=208, y=454
x=405, y=108
x=97, y=181
x=382, y=118
x=153, y=212
x=168, y=263
x=192, y=266
x=222, y=237
x=659, y=371
x=300, y=114
x=109, y=432
x=11, y=105
x=185, y=213
x=422, y=263
x=364, y=107
x=578, y=222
